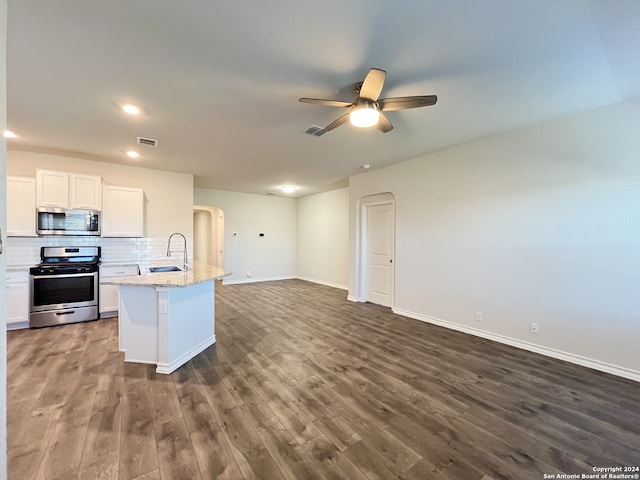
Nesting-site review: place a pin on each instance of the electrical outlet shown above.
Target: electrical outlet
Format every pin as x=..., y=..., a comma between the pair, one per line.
x=534, y=328
x=249, y=274
x=478, y=316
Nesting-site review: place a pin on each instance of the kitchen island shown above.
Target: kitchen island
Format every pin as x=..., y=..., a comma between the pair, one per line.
x=167, y=318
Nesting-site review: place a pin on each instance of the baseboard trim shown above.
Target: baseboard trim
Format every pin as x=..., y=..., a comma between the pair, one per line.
x=133, y=360
x=255, y=280
x=167, y=368
x=322, y=282
x=353, y=298
x=18, y=325
x=549, y=352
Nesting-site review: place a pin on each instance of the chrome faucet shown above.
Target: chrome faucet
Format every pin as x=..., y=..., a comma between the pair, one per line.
x=185, y=265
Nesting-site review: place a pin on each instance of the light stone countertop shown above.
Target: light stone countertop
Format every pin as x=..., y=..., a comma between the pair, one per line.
x=196, y=274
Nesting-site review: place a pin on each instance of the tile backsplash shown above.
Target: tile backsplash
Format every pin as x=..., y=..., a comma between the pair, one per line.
x=25, y=251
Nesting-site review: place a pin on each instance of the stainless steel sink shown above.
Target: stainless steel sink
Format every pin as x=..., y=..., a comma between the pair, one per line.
x=166, y=268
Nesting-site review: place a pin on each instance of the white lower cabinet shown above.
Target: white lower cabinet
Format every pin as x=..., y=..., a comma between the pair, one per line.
x=17, y=299
x=108, y=303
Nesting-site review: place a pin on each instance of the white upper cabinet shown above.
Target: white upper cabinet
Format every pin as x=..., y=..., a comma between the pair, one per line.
x=122, y=212
x=52, y=189
x=85, y=191
x=68, y=190
x=21, y=207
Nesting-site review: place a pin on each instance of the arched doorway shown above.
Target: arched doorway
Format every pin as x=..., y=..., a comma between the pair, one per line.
x=208, y=235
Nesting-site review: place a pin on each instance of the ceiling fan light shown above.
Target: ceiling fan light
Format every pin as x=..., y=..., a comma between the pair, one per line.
x=365, y=116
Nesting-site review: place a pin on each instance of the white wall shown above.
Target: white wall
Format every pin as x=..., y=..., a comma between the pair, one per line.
x=537, y=225
x=270, y=257
x=202, y=237
x=3, y=226
x=323, y=238
x=168, y=195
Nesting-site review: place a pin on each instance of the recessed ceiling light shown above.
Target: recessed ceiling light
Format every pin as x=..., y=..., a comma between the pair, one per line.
x=132, y=154
x=9, y=134
x=288, y=188
x=131, y=109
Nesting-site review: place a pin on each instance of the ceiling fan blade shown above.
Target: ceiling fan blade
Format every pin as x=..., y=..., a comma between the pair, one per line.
x=400, y=103
x=336, y=123
x=384, y=125
x=328, y=103
x=373, y=83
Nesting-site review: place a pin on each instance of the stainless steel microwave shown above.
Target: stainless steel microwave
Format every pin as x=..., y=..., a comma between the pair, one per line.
x=67, y=221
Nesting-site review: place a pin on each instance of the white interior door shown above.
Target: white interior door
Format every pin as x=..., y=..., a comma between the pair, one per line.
x=379, y=253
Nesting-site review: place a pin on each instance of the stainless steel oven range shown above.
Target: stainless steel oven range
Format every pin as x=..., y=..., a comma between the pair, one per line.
x=64, y=286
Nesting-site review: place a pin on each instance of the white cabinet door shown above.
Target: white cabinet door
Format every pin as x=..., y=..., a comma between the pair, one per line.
x=122, y=211
x=52, y=189
x=21, y=207
x=109, y=293
x=108, y=301
x=85, y=191
x=68, y=190
x=17, y=300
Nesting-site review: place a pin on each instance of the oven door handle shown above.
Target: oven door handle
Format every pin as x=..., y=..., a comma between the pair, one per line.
x=65, y=275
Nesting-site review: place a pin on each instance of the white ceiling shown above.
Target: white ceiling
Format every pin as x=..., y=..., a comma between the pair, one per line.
x=219, y=81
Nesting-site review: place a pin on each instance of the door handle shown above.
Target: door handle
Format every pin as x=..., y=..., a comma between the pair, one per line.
x=391, y=260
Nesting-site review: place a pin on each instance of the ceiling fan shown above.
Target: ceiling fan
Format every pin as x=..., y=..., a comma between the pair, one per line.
x=366, y=110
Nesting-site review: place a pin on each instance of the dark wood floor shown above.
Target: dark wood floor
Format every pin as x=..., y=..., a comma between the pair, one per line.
x=305, y=385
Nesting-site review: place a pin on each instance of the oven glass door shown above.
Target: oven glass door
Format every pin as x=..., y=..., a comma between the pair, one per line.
x=63, y=291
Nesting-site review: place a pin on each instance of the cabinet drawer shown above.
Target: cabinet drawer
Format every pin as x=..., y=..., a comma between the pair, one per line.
x=108, y=271
x=17, y=276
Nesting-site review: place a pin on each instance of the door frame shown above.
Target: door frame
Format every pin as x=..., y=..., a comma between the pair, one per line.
x=362, y=246
x=217, y=227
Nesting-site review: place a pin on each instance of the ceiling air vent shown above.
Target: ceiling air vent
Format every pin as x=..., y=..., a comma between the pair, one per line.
x=149, y=142
x=314, y=130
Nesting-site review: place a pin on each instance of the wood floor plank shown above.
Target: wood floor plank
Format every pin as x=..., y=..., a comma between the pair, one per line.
x=304, y=384
x=253, y=459
x=100, y=468
x=64, y=451
x=176, y=458
x=291, y=459
x=331, y=461
x=138, y=448
x=212, y=452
